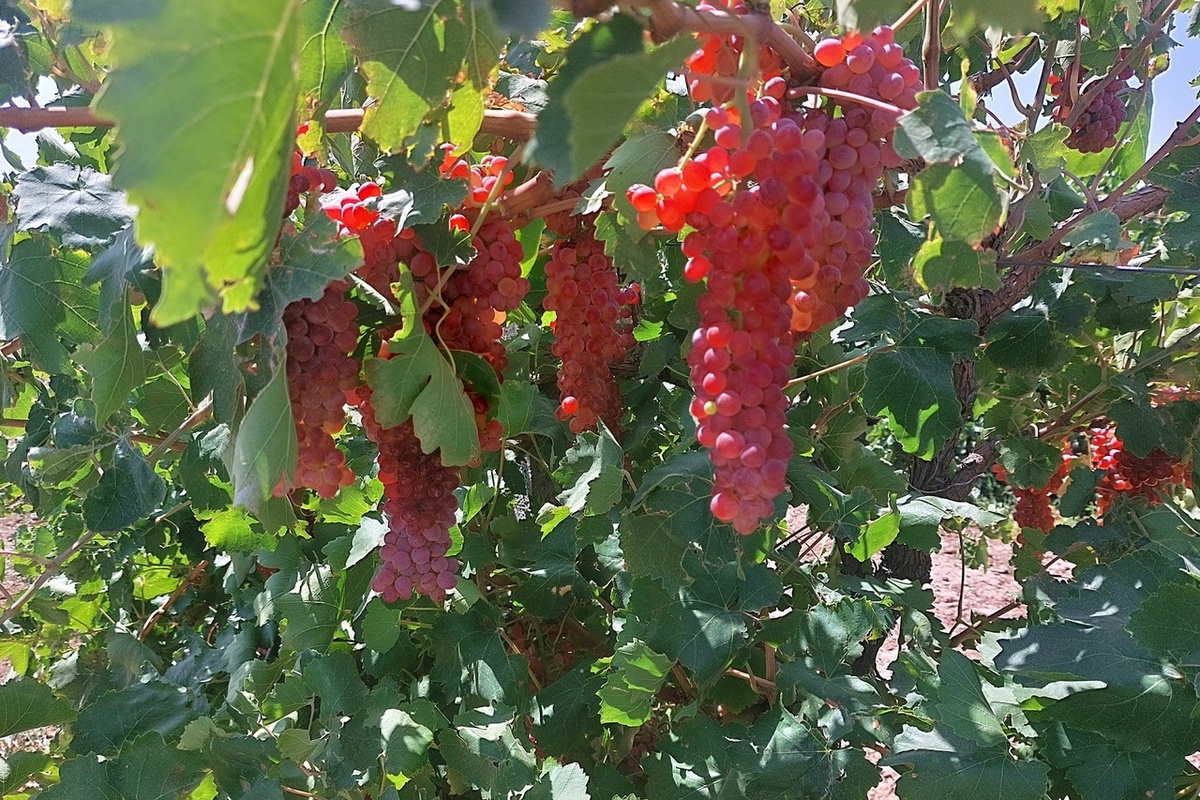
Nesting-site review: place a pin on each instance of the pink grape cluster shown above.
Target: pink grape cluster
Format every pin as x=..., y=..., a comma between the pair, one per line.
x=419, y=501
x=306, y=179
x=712, y=70
x=757, y=211
x=856, y=151
x=1096, y=129
x=321, y=372
x=592, y=329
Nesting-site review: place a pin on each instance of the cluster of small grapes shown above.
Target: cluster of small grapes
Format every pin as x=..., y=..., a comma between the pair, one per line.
x=354, y=210
x=592, y=329
x=1096, y=129
x=481, y=178
x=321, y=336
x=1128, y=475
x=1033, y=506
x=857, y=150
x=420, y=504
x=756, y=210
x=306, y=179
x=712, y=70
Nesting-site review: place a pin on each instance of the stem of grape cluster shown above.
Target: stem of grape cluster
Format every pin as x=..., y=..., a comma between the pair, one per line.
x=846, y=97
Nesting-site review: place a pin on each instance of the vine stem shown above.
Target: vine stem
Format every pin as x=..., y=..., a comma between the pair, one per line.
x=909, y=15
x=668, y=17
x=850, y=362
x=1134, y=53
x=505, y=123
x=54, y=566
x=161, y=612
x=846, y=97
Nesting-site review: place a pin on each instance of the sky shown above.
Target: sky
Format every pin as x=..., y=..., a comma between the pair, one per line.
x=1174, y=98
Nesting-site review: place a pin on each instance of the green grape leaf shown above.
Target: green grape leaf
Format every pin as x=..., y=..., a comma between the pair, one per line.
x=944, y=766
x=415, y=61
x=311, y=611
x=114, y=719
x=606, y=67
x=111, y=270
x=202, y=76
x=325, y=64
x=637, y=160
x=334, y=678
x=26, y=704
x=631, y=683
x=876, y=535
x=430, y=193
x=1100, y=771
x=565, y=712
x=962, y=705
x=593, y=472
x=941, y=264
x=913, y=387
x=265, y=447
x=1102, y=228
x=128, y=491
x=1024, y=341
x=1030, y=463
x=117, y=367
x=44, y=301
x=232, y=530
x=1166, y=622
x=444, y=418
x=78, y=203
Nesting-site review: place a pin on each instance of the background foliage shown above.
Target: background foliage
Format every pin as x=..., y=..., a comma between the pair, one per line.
x=194, y=635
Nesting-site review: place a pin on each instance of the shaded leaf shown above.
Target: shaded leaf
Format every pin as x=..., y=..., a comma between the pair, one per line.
x=78, y=203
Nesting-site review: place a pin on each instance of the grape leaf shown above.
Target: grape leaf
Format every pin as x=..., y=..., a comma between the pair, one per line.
x=265, y=447
x=114, y=719
x=117, y=367
x=565, y=713
x=44, y=301
x=325, y=64
x=204, y=76
x=941, y=264
x=128, y=491
x=944, y=766
x=444, y=418
x=1030, y=463
x=77, y=202
x=26, y=704
x=414, y=60
x=913, y=387
x=606, y=67
x=633, y=679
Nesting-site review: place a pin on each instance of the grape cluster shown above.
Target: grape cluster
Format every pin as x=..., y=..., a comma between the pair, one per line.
x=306, y=179
x=712, y=70
x=321, y=336
x=592, y=329
x=354, y=210
x=1033, y=506
x=1129, y=475
x=757, y=211
x=857, y=149
x=1096, y=128
x=420, y=504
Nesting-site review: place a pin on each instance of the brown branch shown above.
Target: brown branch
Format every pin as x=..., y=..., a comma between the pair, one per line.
x=52, y=568
x=909, y=15
x=505, y=123
x=534, y=192
x=931, y=48
x=161, y=612
x=983, y=82
x=668, y=17
x=1020, y=279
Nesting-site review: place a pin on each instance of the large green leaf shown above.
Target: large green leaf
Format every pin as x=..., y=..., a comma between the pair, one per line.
x=631, y=683
x=607, y=67
x=26, y=704
x=205, y=77
x=567, y=713
x=325, y=63
x=128, y=491
x=44, y=301
x=265, y=449
x=117, y=718
x=117, y=367
x=913, y=387
x=423, y=66
x=76, y=202
x=944, y=766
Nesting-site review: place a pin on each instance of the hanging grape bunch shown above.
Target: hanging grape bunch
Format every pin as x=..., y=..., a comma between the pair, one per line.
x=781, y=210
x=1096, y=128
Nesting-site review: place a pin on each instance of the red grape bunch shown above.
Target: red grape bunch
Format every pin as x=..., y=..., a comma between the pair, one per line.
x=1129, y=475
x=856, y=151
x=418, y=492
x=756, y=210
x=322, y=334
x=1033, y=507
x=306, y=179
x=712, y=70
x=1096, y=128
x=592, y=329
